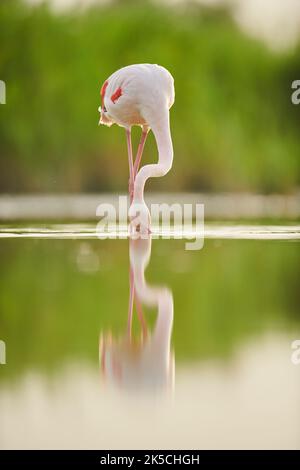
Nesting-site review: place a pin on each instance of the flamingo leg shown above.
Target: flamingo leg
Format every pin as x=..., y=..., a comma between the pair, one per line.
x=140, y=151
x=130, y=304
x=130, y=162
x=145, y=130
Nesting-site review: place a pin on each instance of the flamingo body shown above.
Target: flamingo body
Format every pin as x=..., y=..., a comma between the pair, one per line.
x=134, y=95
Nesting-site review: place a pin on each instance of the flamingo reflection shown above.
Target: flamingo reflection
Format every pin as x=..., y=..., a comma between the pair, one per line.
x=147, y=362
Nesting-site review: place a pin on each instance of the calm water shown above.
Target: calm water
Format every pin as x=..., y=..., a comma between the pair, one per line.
x=203, y=362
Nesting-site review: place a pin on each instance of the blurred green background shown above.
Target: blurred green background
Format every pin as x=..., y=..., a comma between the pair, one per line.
x=234, y=126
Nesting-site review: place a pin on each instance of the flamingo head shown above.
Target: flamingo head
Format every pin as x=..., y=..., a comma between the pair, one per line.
x=104, y=117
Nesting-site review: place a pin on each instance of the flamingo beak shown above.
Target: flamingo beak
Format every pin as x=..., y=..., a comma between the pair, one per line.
x=104, y=119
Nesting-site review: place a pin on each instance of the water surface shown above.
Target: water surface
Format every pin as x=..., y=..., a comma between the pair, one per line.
x=207, y=365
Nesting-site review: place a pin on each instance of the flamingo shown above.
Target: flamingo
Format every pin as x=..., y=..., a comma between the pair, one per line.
x=141, y=95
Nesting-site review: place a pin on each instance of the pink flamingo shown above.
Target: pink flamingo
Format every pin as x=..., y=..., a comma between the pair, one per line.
x=141, y=95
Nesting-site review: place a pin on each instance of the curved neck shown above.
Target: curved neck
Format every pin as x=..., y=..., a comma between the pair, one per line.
x=162, y=134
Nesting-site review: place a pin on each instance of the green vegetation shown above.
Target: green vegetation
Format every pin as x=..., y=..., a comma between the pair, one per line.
x=233, y=123
x=52, y=309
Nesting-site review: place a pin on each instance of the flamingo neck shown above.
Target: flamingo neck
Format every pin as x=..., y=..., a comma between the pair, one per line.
x=162, y=134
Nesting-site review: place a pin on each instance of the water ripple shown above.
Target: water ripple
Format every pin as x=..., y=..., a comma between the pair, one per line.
x=211, y=231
